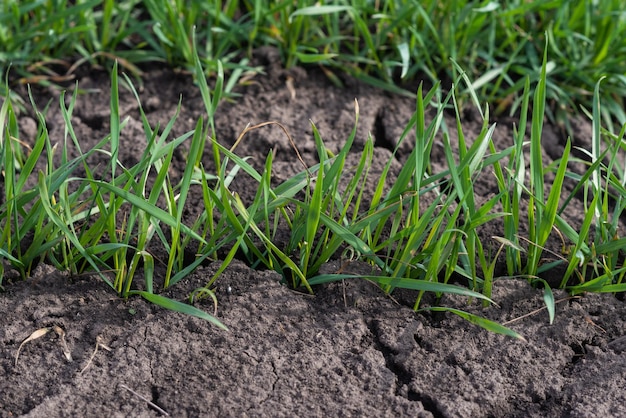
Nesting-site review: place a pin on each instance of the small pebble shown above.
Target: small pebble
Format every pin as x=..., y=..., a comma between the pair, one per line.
x=28, y=129
x=153, y=103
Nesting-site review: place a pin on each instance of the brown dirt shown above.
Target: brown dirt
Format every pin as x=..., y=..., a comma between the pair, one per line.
x=349, y=350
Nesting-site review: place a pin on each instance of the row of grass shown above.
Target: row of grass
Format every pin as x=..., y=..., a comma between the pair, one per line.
x=71, y=220
x=498, y=44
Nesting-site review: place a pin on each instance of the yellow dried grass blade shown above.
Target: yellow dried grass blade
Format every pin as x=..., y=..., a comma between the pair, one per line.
x=35, y=335
x=61, y=334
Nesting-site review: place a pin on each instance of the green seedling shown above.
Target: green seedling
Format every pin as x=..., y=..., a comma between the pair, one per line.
x=418, y=233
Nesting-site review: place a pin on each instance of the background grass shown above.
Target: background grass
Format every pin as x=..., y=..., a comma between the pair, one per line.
x=540, y=58
x=498, y=44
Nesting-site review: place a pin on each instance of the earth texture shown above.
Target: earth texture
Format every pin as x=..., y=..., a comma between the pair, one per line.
x=348, y=349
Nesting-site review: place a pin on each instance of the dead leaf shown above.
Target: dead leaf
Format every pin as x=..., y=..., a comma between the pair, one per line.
x=37, y=334
x=40, y=333
x=61, y=334
x=98, y=345
x=290, y=87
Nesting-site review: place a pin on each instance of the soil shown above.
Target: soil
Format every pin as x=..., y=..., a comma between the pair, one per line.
x=347, y=350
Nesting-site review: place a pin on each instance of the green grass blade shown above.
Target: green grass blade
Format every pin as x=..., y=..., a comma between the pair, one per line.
x=552, y=205
x=411, y=284
x=50, y=211
x=176, y=306
x=152, y=210
x=480, y=321
x=313, y=213
x=115, y=120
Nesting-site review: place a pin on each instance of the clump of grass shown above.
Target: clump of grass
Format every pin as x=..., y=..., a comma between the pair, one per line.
x=40, y=37
x=100, y=222
x=426, y=246
x=598, y=246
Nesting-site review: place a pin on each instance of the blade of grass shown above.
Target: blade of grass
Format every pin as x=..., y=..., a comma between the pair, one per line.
x=480, y=321
x=176, y=306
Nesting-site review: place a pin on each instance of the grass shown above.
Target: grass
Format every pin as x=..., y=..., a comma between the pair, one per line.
x=541, y=58
x=383, y=42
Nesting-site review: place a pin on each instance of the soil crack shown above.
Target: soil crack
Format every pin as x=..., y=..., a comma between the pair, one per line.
x=275, y=382
x=380, y=133
x=403, y=376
